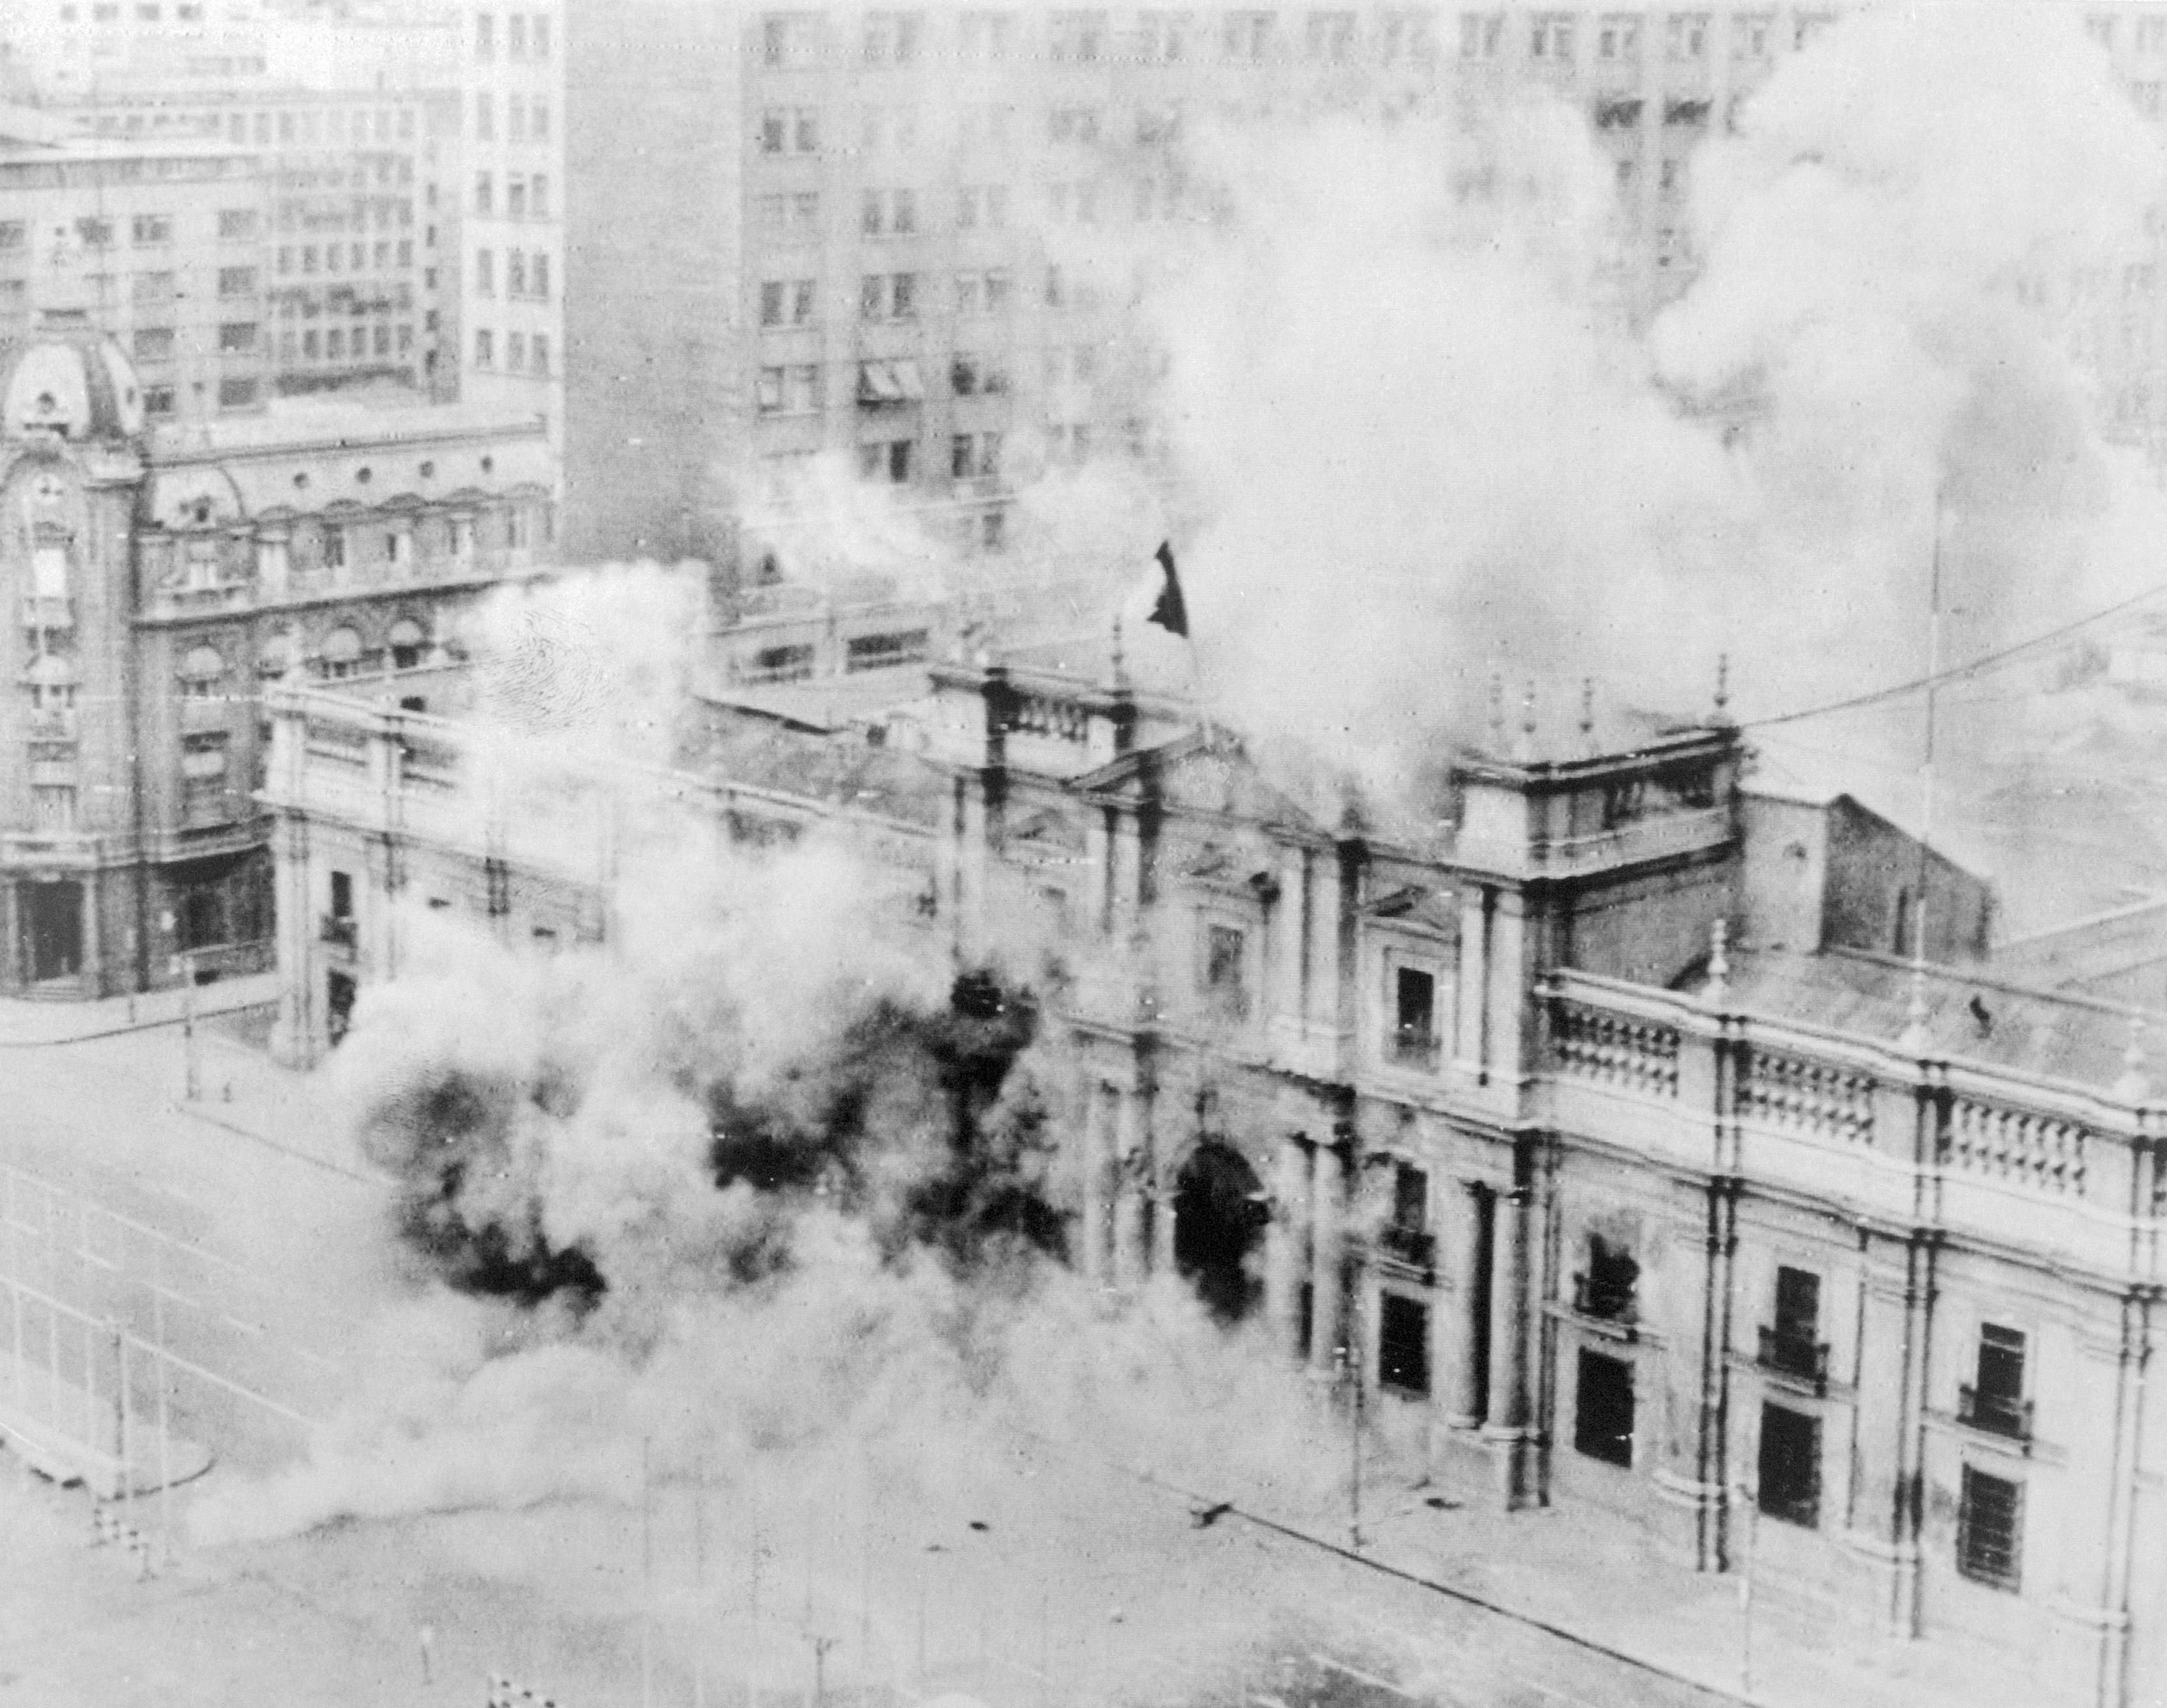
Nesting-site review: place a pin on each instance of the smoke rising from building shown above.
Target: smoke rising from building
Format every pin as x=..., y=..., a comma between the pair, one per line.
x=1427, y=447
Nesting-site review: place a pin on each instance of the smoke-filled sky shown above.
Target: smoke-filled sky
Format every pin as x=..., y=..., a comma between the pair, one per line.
x=1428, y=449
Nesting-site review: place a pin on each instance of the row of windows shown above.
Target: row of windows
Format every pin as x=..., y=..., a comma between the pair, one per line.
x=356, y=257
x=971, y=457
x=1333, y=37
x=525, y=274
x=795, y=389
x=524, y=353
x=526, y=36
x=526, y=118
x=899, y=296
x=307, y=127
x=337, y=344
x=525, y=195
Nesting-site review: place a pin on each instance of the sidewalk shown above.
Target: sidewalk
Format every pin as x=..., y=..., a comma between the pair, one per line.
x=26, y=1024
x=1596, y=1579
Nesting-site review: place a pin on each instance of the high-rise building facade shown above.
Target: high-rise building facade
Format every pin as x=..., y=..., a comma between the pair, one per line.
x=906, y=237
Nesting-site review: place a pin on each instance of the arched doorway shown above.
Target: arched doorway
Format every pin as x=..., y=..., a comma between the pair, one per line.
x=1218, y=1214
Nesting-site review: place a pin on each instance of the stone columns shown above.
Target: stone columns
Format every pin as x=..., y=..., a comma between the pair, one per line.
x=1286, y=1247
x=295, y=1041
x=1506, y=1413
x=1462, y=1327
x=1328, y=1248
x=1132, y=1174
x=1092, y=1161
x=1886, y=1491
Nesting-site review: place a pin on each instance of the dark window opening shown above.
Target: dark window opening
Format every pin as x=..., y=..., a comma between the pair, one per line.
x=413, y=702
x=342, y=895
x=203, y=919
x=1990, y=1529
x=338, y=1005
x=1414, y=1027
x=1403, y=1344
x=1608, y=1287
x=1602, y=1423
x=1219, y=1216
x=1408, y=1236
x=52, y=929
x=1995, y=1400
x=1793, y=1345
x=1790, y=1466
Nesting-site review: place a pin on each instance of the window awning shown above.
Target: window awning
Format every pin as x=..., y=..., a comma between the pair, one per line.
x=342, y=647
x=407, y=631
x=890, y=382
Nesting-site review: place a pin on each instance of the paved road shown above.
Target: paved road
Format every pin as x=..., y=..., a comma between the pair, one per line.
x=1028, y=1582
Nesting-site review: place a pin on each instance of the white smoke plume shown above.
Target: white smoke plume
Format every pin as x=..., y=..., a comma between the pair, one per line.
x=1428, y=445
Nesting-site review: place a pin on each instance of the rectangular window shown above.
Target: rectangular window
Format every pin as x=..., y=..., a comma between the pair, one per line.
x=485, y=348
x=237, y=338
x=1403, y=1344
x=1550, y=37
x=1224, y=974
x=1688, y=33
x=541, y=36
x=1990, y=1529
x=1996, y=1401
x=540, y=356
x=1790, y=1466
x=1481, y=35
x=1076, y=37
x=153, y=228
x=1607, y=1289
x=235, y=393
x=14, y=236
x=1331, y=40
x=1793, y=1344
x=1414, y=1023
x=1603, y=1421
x=342, y=895
x=236, y=281
x=1617, y=37
x=157, y=399
x=485, y=115
x=94, y=233
x=154, y=343
x=486, y=271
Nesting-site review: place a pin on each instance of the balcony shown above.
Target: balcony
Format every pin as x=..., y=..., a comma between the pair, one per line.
x=1803, y=1359
x=52, y=724
x=1409, y=1245
x=338, y=932
x=1601, y=1300
x=1997, y=1413
x=1413, y=1047
x=45, y=611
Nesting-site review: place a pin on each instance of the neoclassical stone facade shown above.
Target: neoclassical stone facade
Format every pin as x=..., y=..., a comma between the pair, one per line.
x=1511, y=1107
x=157, y=577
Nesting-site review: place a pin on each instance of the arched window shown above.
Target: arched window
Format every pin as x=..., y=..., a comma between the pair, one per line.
x=51, y=681
x=408, y=643
x=342, y=653
x=202, y=673
x=276, y=656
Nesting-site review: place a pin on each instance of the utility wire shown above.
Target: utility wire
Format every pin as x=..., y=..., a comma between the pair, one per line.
x=1986, y=661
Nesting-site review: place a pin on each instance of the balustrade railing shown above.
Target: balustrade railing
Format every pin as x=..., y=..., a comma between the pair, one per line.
x=1618, y=1049
x=1827, y=1099
x=2033, y=1149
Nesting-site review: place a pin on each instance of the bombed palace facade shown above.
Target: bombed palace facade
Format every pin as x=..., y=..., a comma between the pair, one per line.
x=1595, y=1117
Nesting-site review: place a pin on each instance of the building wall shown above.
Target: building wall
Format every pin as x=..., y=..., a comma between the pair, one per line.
x=510, y=254
x=654, y=375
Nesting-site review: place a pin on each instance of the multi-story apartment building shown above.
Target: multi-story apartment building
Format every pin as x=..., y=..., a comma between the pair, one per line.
x=76, y=49
x=161, y=245
x=1577, y=1115
x=907, y=235
x=503, y=214
x=155, y=576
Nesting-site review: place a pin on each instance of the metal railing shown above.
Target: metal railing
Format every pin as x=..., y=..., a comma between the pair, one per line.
x=1791, y=1353
x=1997, y=1413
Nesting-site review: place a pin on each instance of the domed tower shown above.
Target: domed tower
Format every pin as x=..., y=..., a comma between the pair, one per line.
x=70, y=468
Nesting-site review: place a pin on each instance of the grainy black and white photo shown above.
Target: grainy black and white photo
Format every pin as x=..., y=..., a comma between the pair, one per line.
x=996, y=854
